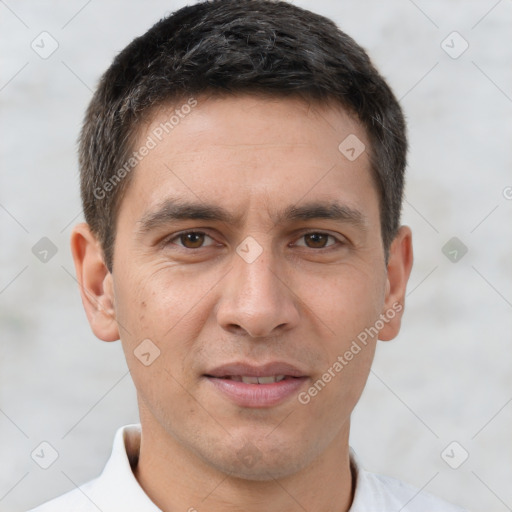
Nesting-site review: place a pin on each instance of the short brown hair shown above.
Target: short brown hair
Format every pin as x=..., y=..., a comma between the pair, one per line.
x=234, y=46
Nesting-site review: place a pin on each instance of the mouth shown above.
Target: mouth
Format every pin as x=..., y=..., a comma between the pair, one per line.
x=254, y=386
x=248, y=379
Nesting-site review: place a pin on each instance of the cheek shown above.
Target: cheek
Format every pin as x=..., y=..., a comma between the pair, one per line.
x=344, y=308
x=346, y=302
x=154, y=302
x=160, y=325
x=168, y=309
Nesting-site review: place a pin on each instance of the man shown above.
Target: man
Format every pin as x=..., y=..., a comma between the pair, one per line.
x=242, y=167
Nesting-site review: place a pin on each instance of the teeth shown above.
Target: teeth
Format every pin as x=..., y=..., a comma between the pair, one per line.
x=267, y=380
x=250, y=380
x=259, y=380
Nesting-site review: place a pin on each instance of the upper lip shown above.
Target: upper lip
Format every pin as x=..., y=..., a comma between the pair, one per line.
x=254, y=370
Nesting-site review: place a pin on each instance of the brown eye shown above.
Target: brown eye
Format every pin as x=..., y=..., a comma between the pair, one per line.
x=319, y=240
x=316, y=240
x=192, y=240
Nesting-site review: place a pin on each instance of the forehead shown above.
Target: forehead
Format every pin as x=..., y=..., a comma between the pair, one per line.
x=249, y=151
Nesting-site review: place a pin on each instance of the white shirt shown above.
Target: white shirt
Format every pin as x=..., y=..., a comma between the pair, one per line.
x=117, y=489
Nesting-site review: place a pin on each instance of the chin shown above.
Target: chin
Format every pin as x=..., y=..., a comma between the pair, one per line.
x=262, y=471
x=260, y=461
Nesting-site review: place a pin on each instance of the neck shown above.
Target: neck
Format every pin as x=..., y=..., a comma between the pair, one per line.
x=176, y=479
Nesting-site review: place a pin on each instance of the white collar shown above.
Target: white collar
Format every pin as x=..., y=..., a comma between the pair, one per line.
x=116, y=487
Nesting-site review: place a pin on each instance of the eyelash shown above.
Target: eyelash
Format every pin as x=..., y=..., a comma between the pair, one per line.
x=177, y=236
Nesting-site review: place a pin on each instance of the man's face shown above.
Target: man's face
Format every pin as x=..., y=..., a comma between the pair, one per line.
x=282, y=268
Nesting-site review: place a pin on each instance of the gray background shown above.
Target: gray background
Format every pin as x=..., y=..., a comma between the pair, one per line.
x=445, y=378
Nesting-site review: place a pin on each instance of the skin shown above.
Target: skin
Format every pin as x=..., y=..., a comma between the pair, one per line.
x=203, y=305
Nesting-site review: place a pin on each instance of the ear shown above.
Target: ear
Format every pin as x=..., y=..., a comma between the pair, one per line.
x=398, y=271
x=95, y=280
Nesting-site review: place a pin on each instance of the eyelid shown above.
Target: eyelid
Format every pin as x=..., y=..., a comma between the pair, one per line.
x=339, y=240
x=170, y=239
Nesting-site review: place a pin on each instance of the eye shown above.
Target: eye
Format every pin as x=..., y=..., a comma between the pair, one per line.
x=191, y=239
x=317, y=240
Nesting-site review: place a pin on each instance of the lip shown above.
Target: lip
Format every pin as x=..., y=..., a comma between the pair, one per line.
x=253, y=370
x=256, y=395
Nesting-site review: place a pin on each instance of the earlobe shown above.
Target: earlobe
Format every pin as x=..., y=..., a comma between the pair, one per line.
x=95, y=281
x=398, y=272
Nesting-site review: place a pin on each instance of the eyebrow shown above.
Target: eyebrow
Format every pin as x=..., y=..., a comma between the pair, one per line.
x=172, y=210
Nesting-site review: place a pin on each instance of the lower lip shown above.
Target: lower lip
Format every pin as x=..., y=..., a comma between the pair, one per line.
x=258, y=395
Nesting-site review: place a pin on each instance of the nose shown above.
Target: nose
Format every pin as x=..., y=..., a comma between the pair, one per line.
x=256, y=301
